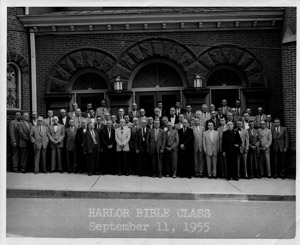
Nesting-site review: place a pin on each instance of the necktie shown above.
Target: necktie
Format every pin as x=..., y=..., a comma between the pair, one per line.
x=204, y=114
x=183, y=130
x=72, y=129
x=156, y=132
x=109, y=132
x=40, y=128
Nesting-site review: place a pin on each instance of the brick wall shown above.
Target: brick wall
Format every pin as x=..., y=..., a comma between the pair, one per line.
x=17, y=42
x=265, y=45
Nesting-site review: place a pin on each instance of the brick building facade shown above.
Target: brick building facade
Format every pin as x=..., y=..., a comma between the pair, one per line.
x=243, y=45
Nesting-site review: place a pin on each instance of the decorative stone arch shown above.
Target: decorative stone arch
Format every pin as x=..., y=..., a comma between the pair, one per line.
x=76, y=60
x=19, y=60
x=156, y=47
x=235, y=56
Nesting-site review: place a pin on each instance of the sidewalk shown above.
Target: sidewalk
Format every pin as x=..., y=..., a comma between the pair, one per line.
x=65, y=185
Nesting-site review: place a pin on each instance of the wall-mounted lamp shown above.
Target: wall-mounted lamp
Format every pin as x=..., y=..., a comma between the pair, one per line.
x=118, y=85
x=198, y=82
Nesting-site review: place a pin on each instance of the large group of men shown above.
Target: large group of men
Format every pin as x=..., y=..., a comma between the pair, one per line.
x=227, y=143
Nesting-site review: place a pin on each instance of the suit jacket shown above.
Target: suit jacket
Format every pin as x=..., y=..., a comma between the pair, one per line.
x=59, y=136
x=158, y=144
x=141, y=140
x=78, y=121
x=88, y=142
x=133, y=130
x=253, y=138
x=245, y=140
x=39, y=138
x=211, y=146
x=172, y=139
x=48, y=120
x=270, y=125
x=140, y=119
x=70, y=139
x=182, y=111
x=221, y=130
x=115, y=125
x=131, y=115
x=99, y=111
x=60, y=121
x=150, y=126
x=281, y=140
x=13, y=131
x=265, y=138
x=24, y=133
x=189, y=117
x=186, y=138
x=198, y=138
x=257, y=119
x=102, y=127
x=123, y=138
x=226, y=109
x=71, y=114
x=240, y=111
x=34, y=123
x=208, y=116
x=229, y=139
x=176, y=119
x=105, y=140
x=79, y=137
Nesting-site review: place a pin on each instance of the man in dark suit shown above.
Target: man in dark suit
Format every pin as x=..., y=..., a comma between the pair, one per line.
x=221, y=159
x=171, y=149
x=70, y=136
x=269, y=124
x=280, y=146
x=91, y=145
x=15, y=138
x=81, y=157
x=178, y=109
x=231, y=142
x=121, y=113
x=173, y=118
x=163, y=112
x=24, y=129
x=261, y=116
x=225, y=108
x=134, y=112
x=220, y=113
x=214, y=120
x=143, y=157
x=155, y=144
x=188, y=115
x=87, y=113
x=133, y=157
x=114, y=122
x=253, y=153
x=56, y=136
x=108, y=144
x=99, y=125
x=39, y=138
x=229, y=117
x=64, y=119
x=34, y=117
x=238, y=108
x=185, y=152
x=156, y=115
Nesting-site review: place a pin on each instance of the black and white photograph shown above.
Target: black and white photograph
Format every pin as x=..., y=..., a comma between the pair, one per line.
x=148, y=123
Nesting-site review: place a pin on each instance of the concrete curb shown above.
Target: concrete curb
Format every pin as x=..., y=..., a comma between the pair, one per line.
x=19, y=193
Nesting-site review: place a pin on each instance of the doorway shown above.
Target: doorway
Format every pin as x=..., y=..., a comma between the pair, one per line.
x=148, y=100
x=94, y=98
x=231, y=95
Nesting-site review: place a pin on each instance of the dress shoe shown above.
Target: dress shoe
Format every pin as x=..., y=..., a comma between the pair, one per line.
x=89, y=174
x=127, y=174
x=197, y=175
x=36, y=172
x=269, y=177
x=61, y=171
x=174, y=176
x=201, y=175
x=209, y=177
x=274, y=177
x=45, y=172
x=167, y=175
x=16, y=171
x=160, y=176
x=227, y=179
x=69, y=171
x=23, y=171
x=259, y=177
x=282, y=177
x=236, y=179
x=247, y=177
x=189, y=177
x=215, y=177
x=97, y=173
x=153, y=176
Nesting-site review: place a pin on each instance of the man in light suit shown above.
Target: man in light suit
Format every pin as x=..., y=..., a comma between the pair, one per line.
x=91, y=146
x=49, y=120
x=225, y=108
x=213, y=119
x=72, y=113
x=265, y=138
x=155, y=144
x=141, y=149
x=260, y=116
x=245, y=120
x=39, y=138
x=103, y=109
x=280, y=147
x=244, y=147
x=70, y=135
x=185, y=152
x=198, y=114
x=205, y=114
x=222, y=161
x=198, y=148
x=211, y=149
x=171, y=148
x=188, y=115
x=123, y=135
x=78, y=118
x=15, y=138
x=24, y=129
x=253, y=152
x=134, y=112
x=56, y=136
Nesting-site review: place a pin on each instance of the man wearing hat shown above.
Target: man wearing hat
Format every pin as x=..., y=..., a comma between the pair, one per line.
x=39, y=138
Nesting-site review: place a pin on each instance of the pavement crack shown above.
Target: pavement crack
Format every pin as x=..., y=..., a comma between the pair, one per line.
x=188, y=186
x=234, y=186
x=95, y=182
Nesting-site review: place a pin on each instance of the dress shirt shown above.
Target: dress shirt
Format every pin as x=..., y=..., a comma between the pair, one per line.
x=211, y=134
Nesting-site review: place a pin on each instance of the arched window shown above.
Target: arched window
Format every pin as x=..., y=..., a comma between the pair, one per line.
x=13, y=75
x=225, y=76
